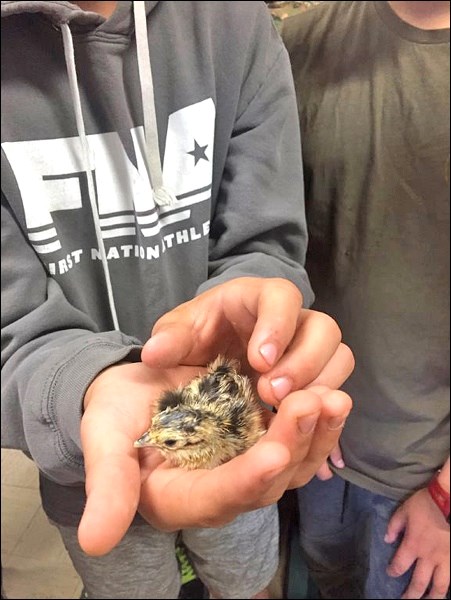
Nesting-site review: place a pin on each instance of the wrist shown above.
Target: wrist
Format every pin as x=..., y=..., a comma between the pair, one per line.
x=439, y=495
x=101, y=379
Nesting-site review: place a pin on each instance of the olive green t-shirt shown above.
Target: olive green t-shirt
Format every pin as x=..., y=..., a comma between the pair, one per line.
x=373, y=97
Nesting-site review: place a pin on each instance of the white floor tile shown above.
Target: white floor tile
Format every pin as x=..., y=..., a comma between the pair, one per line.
x=34, y=560
x=19, y=505
x=33, y=578
x=18, y=470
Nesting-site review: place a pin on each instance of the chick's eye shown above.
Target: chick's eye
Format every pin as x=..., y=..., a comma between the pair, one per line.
x=170, y=443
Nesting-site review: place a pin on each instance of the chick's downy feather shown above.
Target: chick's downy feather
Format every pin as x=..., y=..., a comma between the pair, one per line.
x=209, y=421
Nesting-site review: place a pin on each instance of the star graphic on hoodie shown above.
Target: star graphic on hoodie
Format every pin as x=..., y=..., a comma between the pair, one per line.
x=198, y=152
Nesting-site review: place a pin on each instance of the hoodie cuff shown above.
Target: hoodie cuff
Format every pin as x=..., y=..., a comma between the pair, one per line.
x=64, y=396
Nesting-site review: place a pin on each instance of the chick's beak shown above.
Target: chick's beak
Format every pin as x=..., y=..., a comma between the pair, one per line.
x=144, y=440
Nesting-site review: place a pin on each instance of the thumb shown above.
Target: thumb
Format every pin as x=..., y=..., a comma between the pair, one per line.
x=112, y=487
x=113, y=480
x=395, y=526
x=169, y=345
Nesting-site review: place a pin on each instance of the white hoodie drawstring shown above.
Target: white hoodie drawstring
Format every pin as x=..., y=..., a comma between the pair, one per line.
x=88, y=163
x=161, y=196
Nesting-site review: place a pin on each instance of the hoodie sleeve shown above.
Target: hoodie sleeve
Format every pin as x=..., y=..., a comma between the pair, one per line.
x=51, y=352
x=259, y=227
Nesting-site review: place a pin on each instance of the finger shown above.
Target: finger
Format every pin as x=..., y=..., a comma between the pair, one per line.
x=324, y=473
x=112, y=484
x=169, y=345
x=273, y=307
x=337, y=370
x=258, y=478
x=440, y=582
x=295, y=422
x=420, y=580
x=336, y=406
x=173, y=499
x=336, y=457
x=312, y=348
x=395, y=526
x=402, y=560
x=195, y=332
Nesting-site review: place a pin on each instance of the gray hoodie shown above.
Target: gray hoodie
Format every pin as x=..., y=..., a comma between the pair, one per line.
x=129, y=186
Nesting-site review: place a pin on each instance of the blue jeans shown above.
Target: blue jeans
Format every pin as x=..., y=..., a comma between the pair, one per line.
x=342, y=528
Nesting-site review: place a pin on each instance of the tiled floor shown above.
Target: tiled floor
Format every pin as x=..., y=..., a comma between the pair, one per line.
x=34, y=560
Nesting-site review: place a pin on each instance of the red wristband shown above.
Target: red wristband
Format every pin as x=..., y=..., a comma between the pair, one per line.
x=440, y=496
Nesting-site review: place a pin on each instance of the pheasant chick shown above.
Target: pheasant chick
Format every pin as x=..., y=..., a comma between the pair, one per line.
x=209, y=421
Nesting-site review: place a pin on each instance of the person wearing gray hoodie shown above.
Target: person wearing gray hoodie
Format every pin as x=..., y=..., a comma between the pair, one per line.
x=152, y=218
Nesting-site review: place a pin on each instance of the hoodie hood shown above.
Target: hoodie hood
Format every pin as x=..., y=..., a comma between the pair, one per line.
x=56, y=12
x=63, y=12
x=64, y=15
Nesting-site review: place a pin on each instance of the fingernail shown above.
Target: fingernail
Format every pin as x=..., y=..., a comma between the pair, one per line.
x=340, y=463
x=307, y=424
x=336, y=423
x=269, y=353
x=281, y=386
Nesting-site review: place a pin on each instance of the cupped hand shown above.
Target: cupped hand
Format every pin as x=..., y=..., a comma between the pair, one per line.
x=121, y=480
x=299, y=438
x=261, y=322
